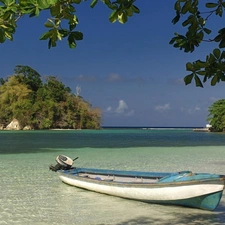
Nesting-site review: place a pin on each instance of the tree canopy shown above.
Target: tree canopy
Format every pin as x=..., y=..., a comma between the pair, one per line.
x=60, y=11
x=44, y=105
x=194, y=16
x=216, y=116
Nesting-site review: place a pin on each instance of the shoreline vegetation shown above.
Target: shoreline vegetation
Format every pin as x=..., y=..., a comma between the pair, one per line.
x=195, y=129
x=28, y=102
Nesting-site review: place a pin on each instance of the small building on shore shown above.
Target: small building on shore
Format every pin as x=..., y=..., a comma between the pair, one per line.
x=207, y=128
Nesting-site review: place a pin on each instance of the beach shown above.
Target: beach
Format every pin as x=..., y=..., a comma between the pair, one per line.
x=31, y=194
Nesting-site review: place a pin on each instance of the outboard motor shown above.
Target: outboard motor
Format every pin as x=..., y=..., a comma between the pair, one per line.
x=63, y=163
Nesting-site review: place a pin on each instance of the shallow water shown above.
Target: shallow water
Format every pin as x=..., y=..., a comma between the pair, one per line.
x=31, y=194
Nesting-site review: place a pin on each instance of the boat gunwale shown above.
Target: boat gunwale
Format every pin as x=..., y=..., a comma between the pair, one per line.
x=217, y=181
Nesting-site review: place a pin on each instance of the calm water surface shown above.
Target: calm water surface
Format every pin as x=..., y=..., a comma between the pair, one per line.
x=31, y=194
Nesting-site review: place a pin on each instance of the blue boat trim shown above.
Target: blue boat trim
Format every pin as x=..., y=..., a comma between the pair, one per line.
x=123, y=173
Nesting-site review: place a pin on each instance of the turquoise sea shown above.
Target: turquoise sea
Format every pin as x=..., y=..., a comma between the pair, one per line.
x=31, y=194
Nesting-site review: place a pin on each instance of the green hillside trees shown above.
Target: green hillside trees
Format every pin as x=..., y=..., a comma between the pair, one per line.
x=44, y=105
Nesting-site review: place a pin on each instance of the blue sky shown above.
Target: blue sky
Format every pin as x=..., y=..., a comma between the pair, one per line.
x=130, y=71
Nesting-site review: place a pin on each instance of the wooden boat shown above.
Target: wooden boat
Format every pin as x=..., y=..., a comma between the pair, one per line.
x=198, y=190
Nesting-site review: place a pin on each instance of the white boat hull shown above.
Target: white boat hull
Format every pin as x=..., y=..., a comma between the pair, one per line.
x=146, y=192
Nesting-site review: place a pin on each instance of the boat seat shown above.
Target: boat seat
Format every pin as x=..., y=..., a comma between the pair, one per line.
x=138, y=179
x=107, y=179
x=83, y=175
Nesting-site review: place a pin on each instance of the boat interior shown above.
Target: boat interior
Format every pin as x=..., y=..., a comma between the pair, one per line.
x=119, y=179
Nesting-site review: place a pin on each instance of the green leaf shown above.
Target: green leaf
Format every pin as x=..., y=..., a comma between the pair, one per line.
x=128, y=4
x=53, y=42
x=8, y=2
x=64, y=32
x=216, y=53
x=76, y=1
x=2, y=36
x=205, y=78
x=52, y=2
x=222, y=31
x=59, y=35
x=222, y=43
x=43, y=4
x=73, y=20
x=218, y=38
x=211, y=58
x=122, y=18
x=135, y=9
x=72, y=26
x=172, y=40
x=23, y=3
x=214, y=80
x=37, y=12
x=186, y=7
x=176, y=18
x=46, y=35
x=71, y=41
x=187, y=21
x=193, y=9
x=201, y=21
x=211, y=5
x=219, y=11
x=200, y=36
x=177, y=6
x=49, y=43
x=55, y=10
x=77, y=35
x=223, y=55
x=8, y=36
x=222, y=76
x=189, y=66
x=49, y=24
x=188, y=79
x=195, y=3
x=129, y=12
x=207, y=31
x=113, y=16
x=198, y=82
x=201, y=64
x=93, y=3
x=201, y=72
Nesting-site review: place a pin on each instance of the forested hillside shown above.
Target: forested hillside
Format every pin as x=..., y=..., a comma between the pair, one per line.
x=44, y=104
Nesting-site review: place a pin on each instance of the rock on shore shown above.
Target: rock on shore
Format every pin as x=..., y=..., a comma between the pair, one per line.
x=15, y=125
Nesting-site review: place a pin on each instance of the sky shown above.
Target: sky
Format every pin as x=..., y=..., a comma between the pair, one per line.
x=128, y=70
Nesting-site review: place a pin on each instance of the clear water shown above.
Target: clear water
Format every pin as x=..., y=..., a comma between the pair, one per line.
x=31, y=194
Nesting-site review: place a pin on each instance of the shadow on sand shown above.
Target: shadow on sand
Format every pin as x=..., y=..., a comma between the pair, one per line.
x=180, y=217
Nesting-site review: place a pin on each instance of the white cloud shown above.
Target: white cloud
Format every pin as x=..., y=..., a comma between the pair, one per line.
x=163, y=108
x=130, y=113
x=109, y=109
x=84, y=78
x=121, y=109
x=177, y=81
x=191, y=110
x=114, y=77
x=213, y=99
